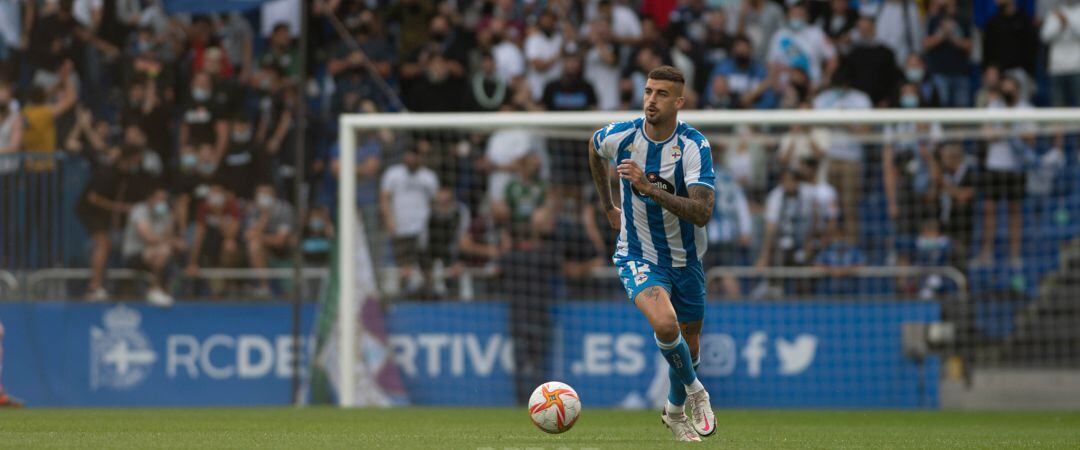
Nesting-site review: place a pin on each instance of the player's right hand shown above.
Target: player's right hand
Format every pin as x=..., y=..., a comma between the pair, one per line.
x=614, y=217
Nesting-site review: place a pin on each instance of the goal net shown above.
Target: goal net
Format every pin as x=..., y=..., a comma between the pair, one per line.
x=855, y=258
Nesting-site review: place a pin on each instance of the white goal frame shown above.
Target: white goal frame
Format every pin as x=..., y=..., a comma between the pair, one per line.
x=348, y=123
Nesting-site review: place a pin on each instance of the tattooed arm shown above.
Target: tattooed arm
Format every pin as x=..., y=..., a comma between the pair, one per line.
x=696, y=209
x=599, y=168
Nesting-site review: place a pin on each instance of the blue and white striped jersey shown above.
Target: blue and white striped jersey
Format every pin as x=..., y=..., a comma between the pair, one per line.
x=648, y=231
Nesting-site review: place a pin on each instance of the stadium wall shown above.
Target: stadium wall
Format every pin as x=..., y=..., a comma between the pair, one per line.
x=221, y=354
x=812, y=354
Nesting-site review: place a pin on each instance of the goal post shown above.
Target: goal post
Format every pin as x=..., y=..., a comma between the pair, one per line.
x=960, y=125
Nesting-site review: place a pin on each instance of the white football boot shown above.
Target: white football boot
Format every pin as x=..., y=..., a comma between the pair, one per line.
x=701, y=414
x=680, y=427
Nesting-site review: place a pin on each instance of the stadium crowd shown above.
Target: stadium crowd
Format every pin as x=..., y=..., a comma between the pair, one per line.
x=189, y=123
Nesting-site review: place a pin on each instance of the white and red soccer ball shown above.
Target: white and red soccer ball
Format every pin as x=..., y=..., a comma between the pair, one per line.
x=554, y=407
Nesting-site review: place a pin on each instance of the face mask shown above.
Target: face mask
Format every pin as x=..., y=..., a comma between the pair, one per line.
x=742, y=60
x=264, y=200
x=161, y=208
x=316, y=225
x=928, y=243
x=215, y=200
x=914, y=75
x=200, y=95
x=797, y=24
x=241, y=137
x=207, y=168
x=265, y=84
x=1009, y=97
x=909, y=101
x=188, y=161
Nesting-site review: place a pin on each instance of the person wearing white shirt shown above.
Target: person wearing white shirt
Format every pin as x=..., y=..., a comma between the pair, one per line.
x=801, y=45
x=405, y=195
x=1061, y=32
x=900, y=27
x=790, y=222
x=1004, y=176
x=543, y=52
x=509, y=60
x=602, y=66
x=730, y=231
x=845, y=152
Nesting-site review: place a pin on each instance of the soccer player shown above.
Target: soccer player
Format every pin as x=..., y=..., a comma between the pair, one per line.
x=666, y=178
x=5, y=399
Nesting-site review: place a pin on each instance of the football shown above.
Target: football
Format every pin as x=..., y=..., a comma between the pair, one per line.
x=554, y=407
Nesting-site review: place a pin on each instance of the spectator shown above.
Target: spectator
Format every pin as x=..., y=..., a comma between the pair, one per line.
x=624, y=22
x=800, y=143
x=1004, y=177
x=52, y=40
x=797, y=91
x=438, y=89
x=827, y=208
x=412, y=17
x=800, y=45
x=216, y=242
x=202, y=46
x=988, y=93
x=317, y=236
x=731, y=231
x=1010, y=39
x=900, y=27
x=447, y=225
x=719, y=95
x=146, y=110
x=714, y=48
x=1061, y=32
x=270, y=234
x=915, y=73
x=839, y=258
x=948, y=53
x=758, y=20
x=509, y=59
x=746, y=79
x=202, y=116
x=543, y=51
x=845, y=152
x=790, y=218
x=837, y=22
x=281, y=52
x=602, y=66
x=40, y=116
x=88, y=135
x=236, y=37
x=149, y=243
x=909, y=168
x=405, y=195
x=634, y=77
x=275, y=129
x=744, y=157
x=504, y=149
x=15, y=18
x=570, y=92
x=958, y=198
x=932, y=249
x=524, y=195
x=243, y=166
x=11, y=127
x=528, y=275
x=198, y=170
x=488, y=90
x=103, y=207
x=349, y=65
x=872, y=65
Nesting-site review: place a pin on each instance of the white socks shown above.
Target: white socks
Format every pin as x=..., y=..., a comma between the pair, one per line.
x=674, y=410
x=695, y=387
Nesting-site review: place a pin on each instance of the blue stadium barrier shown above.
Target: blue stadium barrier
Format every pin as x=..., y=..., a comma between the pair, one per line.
x=126, y=354
x=819, y=354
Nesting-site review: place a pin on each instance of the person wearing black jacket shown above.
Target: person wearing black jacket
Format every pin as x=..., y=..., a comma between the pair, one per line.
x=871, y=65
x=1010, y=39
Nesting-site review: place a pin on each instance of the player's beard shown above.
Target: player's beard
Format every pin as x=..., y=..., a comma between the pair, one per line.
x=656, y=119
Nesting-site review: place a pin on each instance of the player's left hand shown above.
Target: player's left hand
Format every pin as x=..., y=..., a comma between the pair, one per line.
x=629, y=169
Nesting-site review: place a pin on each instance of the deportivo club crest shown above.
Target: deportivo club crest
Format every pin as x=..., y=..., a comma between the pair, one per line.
x=120, y=355
x=676, y=152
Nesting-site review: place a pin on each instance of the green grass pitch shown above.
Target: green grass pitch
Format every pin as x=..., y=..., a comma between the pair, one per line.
x=451, y=428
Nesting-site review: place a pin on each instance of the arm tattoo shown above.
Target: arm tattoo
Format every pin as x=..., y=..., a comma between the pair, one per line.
x=599, y=168
x=696, y=209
